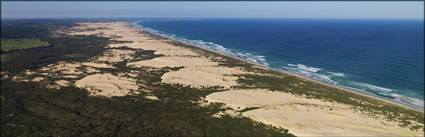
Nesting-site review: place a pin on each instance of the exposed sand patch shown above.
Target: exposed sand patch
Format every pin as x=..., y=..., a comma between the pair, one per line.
x=226, y=112
x=90, y=70
x=107, y=85
x=63, y=67
x=176, y=52
x=307, y=117
x=37, y=79
x=4, y=75
x=216, y=69
x=44, y=74
x=202, y=76
x=173, y=62
x=28, y=72
x=20, y=79
x=92, y=29
x=97, y=65
x=115, y=55
x=304, y=120
x=63, y=83
x=53, y=86
x=151, y=97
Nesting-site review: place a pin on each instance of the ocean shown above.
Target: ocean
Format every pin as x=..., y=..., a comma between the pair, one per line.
x=381, y=57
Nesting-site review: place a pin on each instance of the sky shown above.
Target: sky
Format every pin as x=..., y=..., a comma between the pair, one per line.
x=243, y=9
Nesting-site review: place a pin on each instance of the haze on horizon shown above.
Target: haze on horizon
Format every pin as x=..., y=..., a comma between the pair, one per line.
x=344, y=9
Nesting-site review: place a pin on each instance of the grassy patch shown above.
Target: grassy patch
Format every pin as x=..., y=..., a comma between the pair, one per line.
x=19, y=44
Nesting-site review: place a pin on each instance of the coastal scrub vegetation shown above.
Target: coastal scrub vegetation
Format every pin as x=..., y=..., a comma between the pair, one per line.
x=30, y=110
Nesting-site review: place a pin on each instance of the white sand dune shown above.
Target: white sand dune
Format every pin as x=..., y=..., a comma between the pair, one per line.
x=107, y=85
x=173, y=62
x=202, y=77
x=307, y=117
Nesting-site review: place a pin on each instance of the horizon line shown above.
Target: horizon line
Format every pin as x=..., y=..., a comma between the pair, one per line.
x=23, y=18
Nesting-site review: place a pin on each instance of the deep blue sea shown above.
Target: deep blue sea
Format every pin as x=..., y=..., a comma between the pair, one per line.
x=381, y=57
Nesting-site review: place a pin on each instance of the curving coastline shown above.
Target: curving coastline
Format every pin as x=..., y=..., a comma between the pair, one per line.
x=137, y=63
x=345, y=88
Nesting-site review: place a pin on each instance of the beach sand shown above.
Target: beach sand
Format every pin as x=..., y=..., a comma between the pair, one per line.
x=300, y=115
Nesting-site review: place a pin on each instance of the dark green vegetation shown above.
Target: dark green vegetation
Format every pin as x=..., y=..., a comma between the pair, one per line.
x=18, y=44
x=30, y=109
x=279, y=81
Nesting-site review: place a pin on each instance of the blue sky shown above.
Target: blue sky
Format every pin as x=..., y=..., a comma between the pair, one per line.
x=288, y=9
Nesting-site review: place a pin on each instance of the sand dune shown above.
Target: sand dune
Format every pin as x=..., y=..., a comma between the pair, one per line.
x=173, y=62
x=307, y=117
x=107, y=85
x=202, y=77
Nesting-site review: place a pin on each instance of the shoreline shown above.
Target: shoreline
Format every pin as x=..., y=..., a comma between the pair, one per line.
x=347, y=89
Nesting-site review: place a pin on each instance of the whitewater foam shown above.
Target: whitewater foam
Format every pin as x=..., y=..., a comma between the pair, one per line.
x=390, y=94
x=304, y=67
x=372, y=87
x=210, y=45
x=311, y=72
x=408, y=100
x=336, y=74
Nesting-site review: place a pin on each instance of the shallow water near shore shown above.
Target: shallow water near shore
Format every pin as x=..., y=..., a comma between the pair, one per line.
x=382, y=57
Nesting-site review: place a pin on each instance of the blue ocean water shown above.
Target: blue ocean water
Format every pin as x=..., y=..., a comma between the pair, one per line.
x=381, y=57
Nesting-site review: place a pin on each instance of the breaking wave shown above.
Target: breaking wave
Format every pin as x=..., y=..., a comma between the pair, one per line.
x=210, y=45
x=372, y=87
x=312, y=72
x=330, y=78
x=336, y=74
x=389, y=93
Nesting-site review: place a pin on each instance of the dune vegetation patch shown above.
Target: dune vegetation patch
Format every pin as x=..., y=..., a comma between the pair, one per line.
x=18, y=44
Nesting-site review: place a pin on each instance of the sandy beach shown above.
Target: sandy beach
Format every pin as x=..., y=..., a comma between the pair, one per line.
x=301, y=115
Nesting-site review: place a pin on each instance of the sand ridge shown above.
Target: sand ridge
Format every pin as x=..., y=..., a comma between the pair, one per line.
x=173, y=62
x=203, y=76
x=107, y=85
